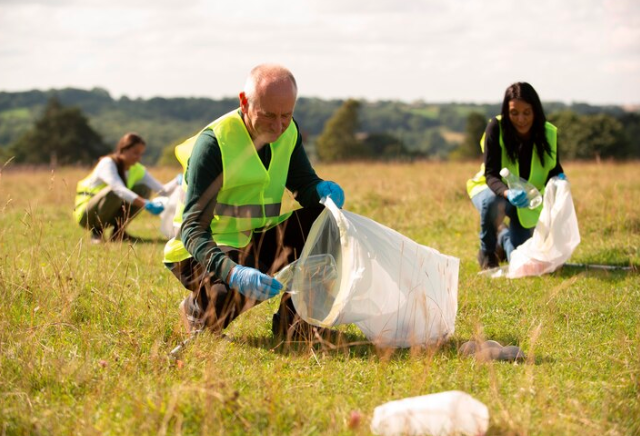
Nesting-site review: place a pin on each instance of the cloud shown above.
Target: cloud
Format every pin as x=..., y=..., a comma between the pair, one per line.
x=435, y=50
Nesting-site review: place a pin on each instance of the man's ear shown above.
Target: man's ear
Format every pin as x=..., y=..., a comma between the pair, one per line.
x=244, y=102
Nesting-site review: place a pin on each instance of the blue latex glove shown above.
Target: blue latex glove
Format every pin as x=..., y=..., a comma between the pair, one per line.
x=253, y=284
x=154, y=207
x=327, y=188
x=561, y=176
x=179, y=179
x=517, y=197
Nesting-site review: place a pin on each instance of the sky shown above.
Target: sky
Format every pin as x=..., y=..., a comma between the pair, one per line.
x=466, y=51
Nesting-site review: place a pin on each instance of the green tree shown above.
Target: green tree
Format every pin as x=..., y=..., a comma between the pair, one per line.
x=338, y=141
x=631, y=124
x=569, y=130
x=589, y=136
x=61, y=136
x=606, y=136
x=384, y=146
x=436, y=145
x=450, y=118
x=470, y=146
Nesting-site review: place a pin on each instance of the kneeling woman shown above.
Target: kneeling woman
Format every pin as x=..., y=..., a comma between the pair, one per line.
x=117, y=188
x=522, y=140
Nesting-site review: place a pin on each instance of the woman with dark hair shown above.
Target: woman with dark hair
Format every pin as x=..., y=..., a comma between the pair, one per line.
x=521, y=140
x=117, y=188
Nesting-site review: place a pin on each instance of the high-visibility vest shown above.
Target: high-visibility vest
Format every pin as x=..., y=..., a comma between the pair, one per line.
x=183, y=153
x=250, y=196
x=537, y=175
x=84, y=193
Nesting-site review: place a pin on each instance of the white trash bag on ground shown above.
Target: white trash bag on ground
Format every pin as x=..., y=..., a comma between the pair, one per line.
x=441, y=414
x=555, y=237
x=354, y=270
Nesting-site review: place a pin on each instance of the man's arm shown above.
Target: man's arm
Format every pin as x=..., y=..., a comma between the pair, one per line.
x=204, y=179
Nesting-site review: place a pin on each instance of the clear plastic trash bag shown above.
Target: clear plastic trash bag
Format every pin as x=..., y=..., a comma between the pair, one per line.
x=441, y=414
x=170, y=203
x=554, y=239
x=354, y=270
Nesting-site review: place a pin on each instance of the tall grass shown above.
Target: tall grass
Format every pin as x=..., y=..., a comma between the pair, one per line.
x=86, y=331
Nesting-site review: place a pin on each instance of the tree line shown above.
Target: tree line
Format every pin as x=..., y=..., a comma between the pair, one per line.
x=72, y=126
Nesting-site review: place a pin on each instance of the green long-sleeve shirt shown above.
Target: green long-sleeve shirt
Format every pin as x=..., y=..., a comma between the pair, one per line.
x=204, y=179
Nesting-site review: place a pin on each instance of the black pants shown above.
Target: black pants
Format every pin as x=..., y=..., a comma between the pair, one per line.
x=216, y=305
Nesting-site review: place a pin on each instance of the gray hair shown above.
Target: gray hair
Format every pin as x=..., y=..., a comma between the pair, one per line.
x=266, y=73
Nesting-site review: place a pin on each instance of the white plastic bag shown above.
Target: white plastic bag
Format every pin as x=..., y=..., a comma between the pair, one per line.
x=555, y=237
x=167, y=226
x=398, y=292
x=441, y=414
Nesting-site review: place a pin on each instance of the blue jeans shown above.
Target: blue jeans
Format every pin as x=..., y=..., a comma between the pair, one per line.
x=493, y=210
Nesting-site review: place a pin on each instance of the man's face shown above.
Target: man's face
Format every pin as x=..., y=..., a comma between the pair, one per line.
x=270, y=112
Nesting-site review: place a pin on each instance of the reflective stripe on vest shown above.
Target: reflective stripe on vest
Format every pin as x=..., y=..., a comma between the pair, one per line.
x=247, y=211
x=84, y=193
x=537, y=175
x=250, y=196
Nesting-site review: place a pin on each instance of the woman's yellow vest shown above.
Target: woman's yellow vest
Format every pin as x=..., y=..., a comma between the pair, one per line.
x=538, y=174
x=84, y=193
x=250, y=197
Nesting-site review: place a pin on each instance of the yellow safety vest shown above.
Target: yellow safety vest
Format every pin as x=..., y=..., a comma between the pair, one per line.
x=537, y=175
x=84, y=192
x=250, y=197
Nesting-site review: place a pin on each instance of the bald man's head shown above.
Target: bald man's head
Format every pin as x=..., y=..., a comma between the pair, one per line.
x=263, y=78
x=268, y=101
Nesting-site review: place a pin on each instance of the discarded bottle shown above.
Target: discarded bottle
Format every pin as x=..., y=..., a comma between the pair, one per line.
x=311, y=274
x=515, y=182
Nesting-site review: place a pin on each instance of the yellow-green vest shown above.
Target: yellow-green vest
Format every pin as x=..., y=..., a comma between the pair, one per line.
x=537, y=176
x=84, y=193
x=250, y=197
x=183, y=153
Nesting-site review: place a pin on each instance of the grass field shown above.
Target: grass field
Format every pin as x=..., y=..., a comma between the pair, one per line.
x=86, y=331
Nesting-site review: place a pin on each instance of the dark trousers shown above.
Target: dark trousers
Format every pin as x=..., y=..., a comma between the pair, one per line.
x=216, y=305
x=106, y=209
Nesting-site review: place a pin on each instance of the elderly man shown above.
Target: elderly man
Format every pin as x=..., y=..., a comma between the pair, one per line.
x=233, y=234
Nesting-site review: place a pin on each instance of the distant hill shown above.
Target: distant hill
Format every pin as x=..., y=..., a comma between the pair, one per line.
x=168, y=121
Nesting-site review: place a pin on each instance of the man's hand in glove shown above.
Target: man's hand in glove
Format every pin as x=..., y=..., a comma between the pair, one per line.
x=253, y=284
x=327, y=188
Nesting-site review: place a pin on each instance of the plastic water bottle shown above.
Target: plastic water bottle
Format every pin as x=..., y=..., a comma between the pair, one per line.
x=310, y=274
x=515, y=182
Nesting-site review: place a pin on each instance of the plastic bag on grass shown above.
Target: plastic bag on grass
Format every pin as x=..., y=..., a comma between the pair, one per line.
x=170, y=203
x=442, y=414
x=554, y=239
x=354, y=270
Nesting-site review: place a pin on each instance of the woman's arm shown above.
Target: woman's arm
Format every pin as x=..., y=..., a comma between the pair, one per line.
x=107, y=172
x=158, y=187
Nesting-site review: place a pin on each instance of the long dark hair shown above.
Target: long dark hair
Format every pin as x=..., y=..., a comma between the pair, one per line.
x=525, y=92
x=127, y=141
